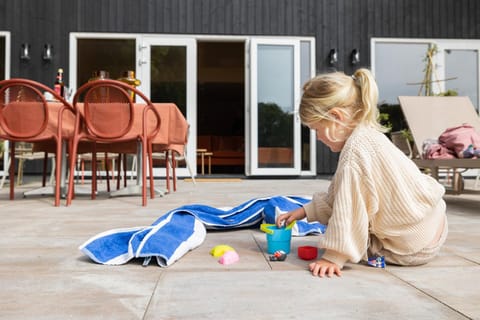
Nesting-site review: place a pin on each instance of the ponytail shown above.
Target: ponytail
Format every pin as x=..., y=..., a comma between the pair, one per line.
x=368, y=97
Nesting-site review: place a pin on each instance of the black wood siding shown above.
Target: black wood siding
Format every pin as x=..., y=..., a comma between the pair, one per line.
x=340, y=24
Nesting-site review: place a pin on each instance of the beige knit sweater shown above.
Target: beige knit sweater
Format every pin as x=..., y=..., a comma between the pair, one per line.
x=376, y=190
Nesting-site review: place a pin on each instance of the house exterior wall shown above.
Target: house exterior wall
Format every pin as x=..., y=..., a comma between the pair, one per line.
x=340, y=24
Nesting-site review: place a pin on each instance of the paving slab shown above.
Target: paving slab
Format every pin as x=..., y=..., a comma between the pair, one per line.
x=43, y=275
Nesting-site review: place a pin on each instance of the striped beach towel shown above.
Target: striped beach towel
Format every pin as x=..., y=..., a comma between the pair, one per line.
x=183, y=229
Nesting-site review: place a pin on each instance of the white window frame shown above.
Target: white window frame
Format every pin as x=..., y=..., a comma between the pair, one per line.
x=439, y=58
x=6, y=34
x=139, y=37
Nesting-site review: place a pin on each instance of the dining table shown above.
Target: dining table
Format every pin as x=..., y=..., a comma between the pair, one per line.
x=172, y=134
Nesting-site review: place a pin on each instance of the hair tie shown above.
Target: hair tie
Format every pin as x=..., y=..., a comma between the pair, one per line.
x=354, y=78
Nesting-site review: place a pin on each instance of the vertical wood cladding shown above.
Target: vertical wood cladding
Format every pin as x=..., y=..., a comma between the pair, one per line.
x=341, y=24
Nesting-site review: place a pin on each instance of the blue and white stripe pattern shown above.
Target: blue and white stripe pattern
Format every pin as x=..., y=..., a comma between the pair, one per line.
x=183, y=229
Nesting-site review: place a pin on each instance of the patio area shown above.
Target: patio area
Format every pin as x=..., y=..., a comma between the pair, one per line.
x=43, y=275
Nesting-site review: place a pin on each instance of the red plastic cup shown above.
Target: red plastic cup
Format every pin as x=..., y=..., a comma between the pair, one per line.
x=307, y=252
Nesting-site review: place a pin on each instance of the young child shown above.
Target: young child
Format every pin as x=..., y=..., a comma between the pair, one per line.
x=378, y=203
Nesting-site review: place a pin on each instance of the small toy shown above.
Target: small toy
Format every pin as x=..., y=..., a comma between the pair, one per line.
x=307, y=252
x=278, y=256
x=220, y=250
x=377, y=262
x=229, y=257
x=278, y=238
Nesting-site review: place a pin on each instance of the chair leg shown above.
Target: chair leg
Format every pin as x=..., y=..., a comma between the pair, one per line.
x=12, y=170
x=82, y=168
x=144, y=173
x=52, y=174
x=94, y=174
x=119, y=169
x=107, y=168
x=150, y=168
x=5, y=173
x=125, y=170
x=58, y=170
x=167, y=171
x=174, y=172
x=21, y=163
x=134, y=167
x=44, y=175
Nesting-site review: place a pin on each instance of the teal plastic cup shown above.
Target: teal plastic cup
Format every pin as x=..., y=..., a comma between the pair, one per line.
x=280, y=239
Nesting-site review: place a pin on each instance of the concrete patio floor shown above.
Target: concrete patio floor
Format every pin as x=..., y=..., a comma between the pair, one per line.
x=43, y=275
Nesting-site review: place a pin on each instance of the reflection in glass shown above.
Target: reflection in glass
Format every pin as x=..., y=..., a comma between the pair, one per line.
x=275, y=106
x=96, y=54
x=397, y=64
x=168, y=75
x=459, y=65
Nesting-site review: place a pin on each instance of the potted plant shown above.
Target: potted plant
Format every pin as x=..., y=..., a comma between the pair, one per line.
x=391, y=117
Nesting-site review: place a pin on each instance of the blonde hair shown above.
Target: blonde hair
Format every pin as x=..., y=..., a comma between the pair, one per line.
x=355, y=96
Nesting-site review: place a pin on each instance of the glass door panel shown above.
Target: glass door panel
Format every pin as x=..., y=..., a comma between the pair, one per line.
x=308, y=138
x=4, y=74
x=274, y=125
x=167, y=69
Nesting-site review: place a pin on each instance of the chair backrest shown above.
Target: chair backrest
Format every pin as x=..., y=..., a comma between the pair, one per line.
x=429, y=117
x=23, y=108
x=107, y=108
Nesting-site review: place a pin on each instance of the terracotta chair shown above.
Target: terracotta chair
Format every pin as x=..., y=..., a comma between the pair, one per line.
x=24, y=117
x=172, y=154
x=106, y=117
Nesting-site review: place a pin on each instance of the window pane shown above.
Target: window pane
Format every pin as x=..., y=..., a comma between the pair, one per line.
x=305, y=67
x=275, y=105
x=459, y=65
x=168, y=75
x=396, y=65
x=112, y=55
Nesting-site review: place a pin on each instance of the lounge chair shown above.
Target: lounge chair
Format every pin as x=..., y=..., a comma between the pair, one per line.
x=427, y=118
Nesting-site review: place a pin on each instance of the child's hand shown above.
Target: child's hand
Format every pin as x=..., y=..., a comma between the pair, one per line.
x=324, y=267
x=287, y=218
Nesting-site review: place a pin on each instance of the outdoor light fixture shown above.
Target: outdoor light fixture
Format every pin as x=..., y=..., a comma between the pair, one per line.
x=333, y=57
x=25, y=52
x=47, y=53
x=355, y=56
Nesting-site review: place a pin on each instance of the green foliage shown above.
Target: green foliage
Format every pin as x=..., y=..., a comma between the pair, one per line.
x=391, y=116
x=448, y=93
x=275, y=127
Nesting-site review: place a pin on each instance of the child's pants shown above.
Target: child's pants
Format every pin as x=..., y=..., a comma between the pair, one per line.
x=423, y=256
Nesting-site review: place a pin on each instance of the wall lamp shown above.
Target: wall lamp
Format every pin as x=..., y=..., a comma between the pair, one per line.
x=47, y=53
x=333, y=57
x=355, y=56
x=25, y=52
